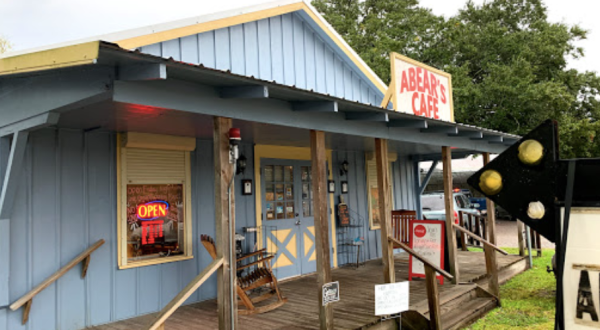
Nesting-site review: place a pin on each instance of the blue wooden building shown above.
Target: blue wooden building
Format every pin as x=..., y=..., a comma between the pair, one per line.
x=88, y=127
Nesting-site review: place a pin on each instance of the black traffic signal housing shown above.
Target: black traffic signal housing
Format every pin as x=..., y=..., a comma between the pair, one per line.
x=525, y=183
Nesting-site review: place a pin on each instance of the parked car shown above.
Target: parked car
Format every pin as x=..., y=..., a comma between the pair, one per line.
x=481, y=202
x=434, y=209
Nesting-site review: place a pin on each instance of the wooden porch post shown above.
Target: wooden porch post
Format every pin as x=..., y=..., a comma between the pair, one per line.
x=521, y=240
x=385, y=209
x=223, y=174
x=320, y=205
x=449, y=203
x=491, y=209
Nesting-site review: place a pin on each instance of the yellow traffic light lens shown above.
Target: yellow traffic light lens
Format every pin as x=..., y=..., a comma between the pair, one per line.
x=531, y=152
x=490, y=182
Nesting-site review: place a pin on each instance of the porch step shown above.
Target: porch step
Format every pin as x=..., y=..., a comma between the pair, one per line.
x=464, y=306
x=468, y=313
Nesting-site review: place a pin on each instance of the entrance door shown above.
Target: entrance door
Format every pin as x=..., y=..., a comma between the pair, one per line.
x=287, y=205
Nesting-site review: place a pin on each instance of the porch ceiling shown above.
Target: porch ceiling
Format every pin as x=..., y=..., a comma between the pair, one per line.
x=130, y=91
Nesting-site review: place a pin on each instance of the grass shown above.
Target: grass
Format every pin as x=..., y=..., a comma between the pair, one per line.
x=527, y=299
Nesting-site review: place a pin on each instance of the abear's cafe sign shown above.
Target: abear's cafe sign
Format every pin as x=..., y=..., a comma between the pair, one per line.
x=420, y=89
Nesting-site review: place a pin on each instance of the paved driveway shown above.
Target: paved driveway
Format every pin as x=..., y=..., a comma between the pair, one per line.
x=506, y=234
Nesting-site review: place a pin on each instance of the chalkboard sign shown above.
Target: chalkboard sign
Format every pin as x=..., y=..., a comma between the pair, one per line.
x=391, y=298
x=155, y=220
x=427, y=239
x=344, y=214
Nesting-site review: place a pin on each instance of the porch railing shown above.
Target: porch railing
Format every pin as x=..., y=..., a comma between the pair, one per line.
x=159, y=321
x=28, y=297
x=476, y=224
x=401, y=224
x=433, y=298
x=491, y=263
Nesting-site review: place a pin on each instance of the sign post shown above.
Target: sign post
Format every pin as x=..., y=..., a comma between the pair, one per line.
x=427, y=239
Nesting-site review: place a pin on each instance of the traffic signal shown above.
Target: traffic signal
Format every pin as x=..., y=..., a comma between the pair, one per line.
x=524, y=179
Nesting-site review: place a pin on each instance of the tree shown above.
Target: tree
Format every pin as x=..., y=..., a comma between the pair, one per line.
x=508, y=63
x=4, y=45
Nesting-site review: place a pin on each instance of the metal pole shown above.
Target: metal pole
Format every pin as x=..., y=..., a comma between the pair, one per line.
x=528, y=230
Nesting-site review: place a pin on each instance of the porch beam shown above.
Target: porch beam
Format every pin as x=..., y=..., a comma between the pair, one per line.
x=4, y=231
x=367, y=116
x=27, y=97
x=150, y=71
x=319, y=182
x=423, y=185
x=385, y=209
x=417, y=187
x=244, y=92
x=315, y=106
x=493, y=139
x=185, y=96
x=509, y=141
x=13, y=171
x=449, y=205
x=441, y=129
x=30, y=124
x=473, y=135
x=223, y=172
x=408, y=123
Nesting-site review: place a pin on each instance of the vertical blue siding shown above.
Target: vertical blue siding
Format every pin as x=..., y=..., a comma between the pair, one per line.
x=283, y=48
x=66, y=201
x=357, y=199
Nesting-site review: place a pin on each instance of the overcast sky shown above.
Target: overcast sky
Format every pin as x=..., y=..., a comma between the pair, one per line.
x=34, y=23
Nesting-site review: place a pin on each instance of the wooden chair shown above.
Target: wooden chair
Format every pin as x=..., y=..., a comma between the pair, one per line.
x=261, y=276
x=401, y=224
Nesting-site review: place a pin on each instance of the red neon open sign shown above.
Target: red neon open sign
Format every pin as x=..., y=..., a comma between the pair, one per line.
x=152, y=210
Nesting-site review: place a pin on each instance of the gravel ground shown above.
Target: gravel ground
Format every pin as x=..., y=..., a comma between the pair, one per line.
x=506, y=234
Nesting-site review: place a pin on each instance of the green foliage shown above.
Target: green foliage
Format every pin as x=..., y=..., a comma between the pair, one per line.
x=508, y=62
x=4, y=45
x=527, y=299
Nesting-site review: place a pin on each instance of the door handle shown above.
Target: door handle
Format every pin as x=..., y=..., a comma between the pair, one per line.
x=297, y=222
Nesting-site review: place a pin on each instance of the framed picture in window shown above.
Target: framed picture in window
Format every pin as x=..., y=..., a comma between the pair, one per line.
x=246, y=187
x=331, y=186
x=344, y=186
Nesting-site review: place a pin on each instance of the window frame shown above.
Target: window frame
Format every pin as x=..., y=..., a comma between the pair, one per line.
x=370, y=157
x=132, y=140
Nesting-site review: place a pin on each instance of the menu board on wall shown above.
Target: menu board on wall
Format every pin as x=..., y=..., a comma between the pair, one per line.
x=427, y=239
x=155, y=220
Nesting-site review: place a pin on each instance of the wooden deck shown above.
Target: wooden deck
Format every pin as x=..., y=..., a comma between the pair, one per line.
x=354, y=310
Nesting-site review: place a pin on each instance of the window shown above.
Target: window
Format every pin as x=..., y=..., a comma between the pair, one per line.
x=373, y=190
x=154, y=199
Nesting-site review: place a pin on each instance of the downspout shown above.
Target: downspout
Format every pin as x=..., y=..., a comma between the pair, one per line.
x=231, y=242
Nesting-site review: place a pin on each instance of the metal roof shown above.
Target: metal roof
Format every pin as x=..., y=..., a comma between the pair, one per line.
x=113, y=54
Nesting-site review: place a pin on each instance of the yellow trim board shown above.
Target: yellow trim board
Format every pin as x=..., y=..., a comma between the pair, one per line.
x=294, y=153
x=81, y=54
x=153, y=38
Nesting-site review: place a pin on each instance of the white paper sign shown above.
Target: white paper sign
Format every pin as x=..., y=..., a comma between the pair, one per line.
x=391, y=298
x=421, y=90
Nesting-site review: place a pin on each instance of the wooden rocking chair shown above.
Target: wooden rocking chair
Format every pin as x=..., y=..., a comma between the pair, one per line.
x=262, y=275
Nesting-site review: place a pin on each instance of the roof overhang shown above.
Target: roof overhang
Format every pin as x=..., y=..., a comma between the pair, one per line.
x=123, y=77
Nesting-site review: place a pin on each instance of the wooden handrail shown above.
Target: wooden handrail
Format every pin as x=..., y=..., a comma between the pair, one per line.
x=167, y=311
x=26, y=299
x=421, y=258
x=486, y=242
